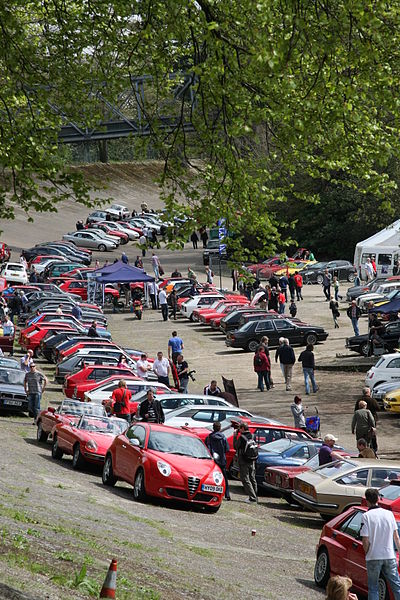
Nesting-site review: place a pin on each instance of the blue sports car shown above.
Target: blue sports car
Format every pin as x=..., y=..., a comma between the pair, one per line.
x=283, y=453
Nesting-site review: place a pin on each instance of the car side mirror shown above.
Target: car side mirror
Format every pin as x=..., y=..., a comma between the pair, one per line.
x=134, y=442
x=72, y=424
x=51, y=409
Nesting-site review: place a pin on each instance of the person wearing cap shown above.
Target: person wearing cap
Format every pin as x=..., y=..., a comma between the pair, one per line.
x=354, y=313
x=34, y=384
x=326, y=454
x=26, y=361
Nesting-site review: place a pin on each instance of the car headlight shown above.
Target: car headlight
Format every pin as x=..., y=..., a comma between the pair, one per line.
x=164, y=468
x=91, y=445
x=218, y=477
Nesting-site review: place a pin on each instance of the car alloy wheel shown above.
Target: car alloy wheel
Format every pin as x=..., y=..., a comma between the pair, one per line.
x=55, y=450
x=139, y=490
x=77, y=460
x=102, y=248
x=311, y=338
x=320, y=279
x=253, y=345
x=351, y=277
x=322, y=568
x=364, y=349
x=41, y=436
x=108, y=474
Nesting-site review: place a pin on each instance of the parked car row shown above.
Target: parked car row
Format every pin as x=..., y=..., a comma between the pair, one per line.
x=311, y=271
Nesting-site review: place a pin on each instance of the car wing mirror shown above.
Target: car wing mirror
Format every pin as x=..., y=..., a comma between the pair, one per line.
x=51, y=409
x=72, y=424
x=134, y=442
x=215, y=456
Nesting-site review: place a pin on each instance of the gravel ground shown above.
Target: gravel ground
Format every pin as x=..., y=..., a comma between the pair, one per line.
x=54, y=520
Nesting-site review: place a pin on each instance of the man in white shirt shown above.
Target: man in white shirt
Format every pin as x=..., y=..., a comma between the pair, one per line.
x=369, y=270
x=8, y=331
x=378, y=532
x=162, y=300
x=161, y=368
x=142, y=244
x=143, y=366
x=153, y=293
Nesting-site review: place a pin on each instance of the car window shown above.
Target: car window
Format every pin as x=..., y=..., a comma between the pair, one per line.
x=352, y=526
x=359, y=477
x=212, y=401
x=265, y=436
x=264, y=326
x=138, y=433
x=204, y=415
x=394, y=364
x=384, y=259
x=302, y=452
x=390, y=492
x=381, y=477
x=282, y=324
x=172, y=403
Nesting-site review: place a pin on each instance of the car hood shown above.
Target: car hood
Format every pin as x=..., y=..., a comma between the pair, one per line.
x=290, y=471
x=191, y=467
x=12, y=388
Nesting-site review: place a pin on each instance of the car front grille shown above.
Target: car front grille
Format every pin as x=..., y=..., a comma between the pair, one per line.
x=193, y=484
x=176, y=493
x=200, y=497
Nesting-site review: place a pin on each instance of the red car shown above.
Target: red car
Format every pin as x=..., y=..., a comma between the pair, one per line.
x=340, y=552
x=88, y=440
x=222, y=310
x=281, y=479
x=128, y=225
x=266, y=269
x=216, y=307
x=31, y=336
x=119, y=235
x=165, y=462
x=263, y=434
x=389, y=496
x=79, y=287
x=69, y=410
x=86, y=379
x=5, y=252
x=96, y=343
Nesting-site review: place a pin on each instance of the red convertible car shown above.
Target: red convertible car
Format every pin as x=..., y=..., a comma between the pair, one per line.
x=340, y=552
x=221, y=312
x=87, y=440
x=167, y=463
x=30, y=337
x=205, y=314
x=69, y=410
x=92, y=343
x=266, y=269
x=86, y=379
x=281, y=479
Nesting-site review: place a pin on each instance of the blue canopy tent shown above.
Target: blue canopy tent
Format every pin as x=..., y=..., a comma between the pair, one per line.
x=120, y=272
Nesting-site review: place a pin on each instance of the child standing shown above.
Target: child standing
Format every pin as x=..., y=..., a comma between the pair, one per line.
x=293, y=309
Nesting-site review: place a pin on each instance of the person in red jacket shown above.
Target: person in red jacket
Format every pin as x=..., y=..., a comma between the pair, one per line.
x=120, y=399
x=298, y=280
x=262, y=367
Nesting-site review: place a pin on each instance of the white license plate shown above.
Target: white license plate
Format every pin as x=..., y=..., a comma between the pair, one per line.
x=13, y=402
x=218, y=489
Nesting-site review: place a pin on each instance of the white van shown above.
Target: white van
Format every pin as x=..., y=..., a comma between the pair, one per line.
x=383, y=247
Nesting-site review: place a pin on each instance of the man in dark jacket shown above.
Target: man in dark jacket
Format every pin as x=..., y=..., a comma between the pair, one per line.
x=262, y=367
x=92, y=331
x=363, y=423
x=287, y=358
x=151, y=410
x=247, y=467
x=308, y=363
x=354, y=313
x=292, y=286
x=373, y=407
x=217, y=444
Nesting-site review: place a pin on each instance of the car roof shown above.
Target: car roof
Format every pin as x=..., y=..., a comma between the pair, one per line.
x=160, y=427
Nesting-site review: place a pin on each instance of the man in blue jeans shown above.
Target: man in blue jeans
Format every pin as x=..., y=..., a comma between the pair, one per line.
x=308, y=363
x=354, y=313
x=34, y=385
x=378, y=532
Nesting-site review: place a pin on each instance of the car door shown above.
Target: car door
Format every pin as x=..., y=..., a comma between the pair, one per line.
x=264, y=328
x=286, y=328
x=332, y=268
x=392, y=370
x=347, y=557
x=392, y=332
x=130, y=456
x=350, y=488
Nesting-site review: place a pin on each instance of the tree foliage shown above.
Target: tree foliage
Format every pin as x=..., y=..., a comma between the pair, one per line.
x=282, y=87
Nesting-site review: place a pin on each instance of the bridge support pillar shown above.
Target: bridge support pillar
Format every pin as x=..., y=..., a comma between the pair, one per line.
x=103, y=151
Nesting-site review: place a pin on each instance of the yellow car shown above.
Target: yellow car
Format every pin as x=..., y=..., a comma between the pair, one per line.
x=292, y=266
x=391, y=401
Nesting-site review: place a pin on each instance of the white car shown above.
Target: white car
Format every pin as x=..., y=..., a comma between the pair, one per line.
x=173, y=401
x=383, y=291
x=14, y=273
x=40, y=267
x=200, y=301
x=198, y=416
x=386, y=370
x=122, y=211
x=136, y=387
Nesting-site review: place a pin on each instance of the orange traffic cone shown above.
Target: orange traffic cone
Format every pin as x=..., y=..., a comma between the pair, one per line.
x=110, y=582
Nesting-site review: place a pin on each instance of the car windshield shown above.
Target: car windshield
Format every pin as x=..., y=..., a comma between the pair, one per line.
x=312, y=463
x=390, y=492
x=174, y=443
x=81, y=408
x=277, y=446
x=12, y=376
x=335, y=468
x=103, y=424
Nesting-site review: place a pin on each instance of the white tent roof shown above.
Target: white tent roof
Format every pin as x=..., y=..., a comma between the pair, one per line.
x=390, y=236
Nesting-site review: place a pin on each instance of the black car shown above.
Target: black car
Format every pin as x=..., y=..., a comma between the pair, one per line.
x=231, y=321
x=12, y=393
x=358, y=290
x=53, y=340
x=248, y=337
x=76, y=362
x=342, y=269
x=390, y=336
x=212, y=250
